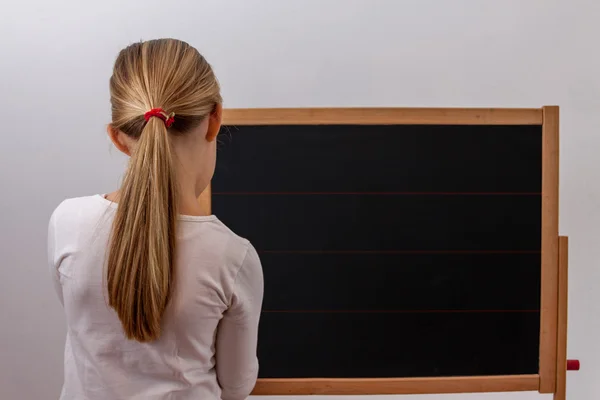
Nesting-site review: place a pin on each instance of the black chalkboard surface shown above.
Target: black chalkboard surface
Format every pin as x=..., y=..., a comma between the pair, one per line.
x=392, y=250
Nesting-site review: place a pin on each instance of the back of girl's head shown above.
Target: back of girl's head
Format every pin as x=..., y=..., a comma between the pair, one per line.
x=165, y=73
x=170, y=75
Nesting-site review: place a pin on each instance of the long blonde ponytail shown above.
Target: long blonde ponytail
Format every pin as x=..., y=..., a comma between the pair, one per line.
x=170, y=74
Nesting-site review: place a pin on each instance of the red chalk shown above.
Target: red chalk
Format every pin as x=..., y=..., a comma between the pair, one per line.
x=573, y=365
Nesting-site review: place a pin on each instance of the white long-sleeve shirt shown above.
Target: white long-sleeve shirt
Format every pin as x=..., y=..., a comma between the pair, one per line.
x=207, y=349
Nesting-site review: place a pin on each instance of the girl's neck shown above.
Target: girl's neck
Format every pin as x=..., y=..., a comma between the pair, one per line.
x=188, y=205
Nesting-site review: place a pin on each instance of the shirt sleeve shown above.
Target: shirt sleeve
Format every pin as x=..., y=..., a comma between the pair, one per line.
x=53, y=264
x=237, y=334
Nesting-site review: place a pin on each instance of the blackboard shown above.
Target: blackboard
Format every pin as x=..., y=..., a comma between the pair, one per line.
x=393, y=246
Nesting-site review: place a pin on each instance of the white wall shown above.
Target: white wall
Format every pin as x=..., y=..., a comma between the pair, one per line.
x=55, y=61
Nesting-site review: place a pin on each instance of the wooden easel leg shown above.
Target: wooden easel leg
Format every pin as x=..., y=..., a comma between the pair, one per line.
x=563, y=292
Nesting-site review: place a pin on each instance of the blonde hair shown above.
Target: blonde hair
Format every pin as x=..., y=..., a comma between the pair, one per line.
x=172, y=75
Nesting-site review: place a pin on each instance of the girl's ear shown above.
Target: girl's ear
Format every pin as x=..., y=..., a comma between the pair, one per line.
x=118, y=139
x=214, y=123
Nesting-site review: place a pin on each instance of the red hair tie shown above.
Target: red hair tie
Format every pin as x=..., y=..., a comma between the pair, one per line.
x=162, y=114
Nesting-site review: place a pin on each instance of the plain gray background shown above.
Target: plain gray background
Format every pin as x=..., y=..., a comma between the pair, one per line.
x=56, y=59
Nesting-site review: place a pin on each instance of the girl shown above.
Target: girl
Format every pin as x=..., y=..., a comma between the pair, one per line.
x=162, y=301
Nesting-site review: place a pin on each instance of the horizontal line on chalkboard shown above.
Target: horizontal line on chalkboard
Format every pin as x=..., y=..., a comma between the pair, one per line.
x=377, y=193
x=398, y=311
x=416, y=252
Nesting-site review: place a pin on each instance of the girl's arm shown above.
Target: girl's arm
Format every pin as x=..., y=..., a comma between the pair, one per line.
x=53, y=257
x=237, y=335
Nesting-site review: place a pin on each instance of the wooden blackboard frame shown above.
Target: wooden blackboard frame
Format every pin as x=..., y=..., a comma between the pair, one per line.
x=551, y=369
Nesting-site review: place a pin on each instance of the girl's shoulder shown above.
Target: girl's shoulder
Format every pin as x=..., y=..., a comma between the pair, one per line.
x=80, y=209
